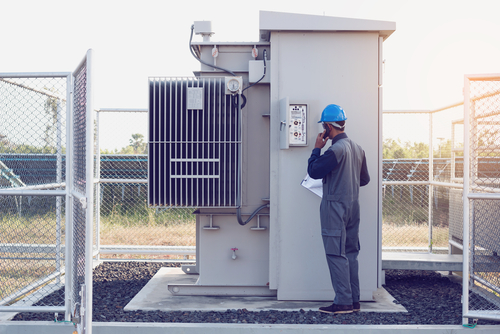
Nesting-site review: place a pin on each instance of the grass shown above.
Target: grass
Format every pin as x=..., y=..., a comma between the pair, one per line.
x=145, y=226
x=416, y=235
x=168, y=235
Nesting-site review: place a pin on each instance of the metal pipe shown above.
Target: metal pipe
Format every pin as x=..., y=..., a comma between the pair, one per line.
x=431, y=178
x=486, y=196
x=406, y=183
x=87, y=297
x=38, y=187
x=34, y=309
x=447, y=184
x=16, y=192
x=120, y=110
x=455, y=244
x=35, y=74
x=29, y=288
x=465, y=264
x=486, y=283
x=479, y=315
x=68, y=254
x=58, y=180
x=423, y=183
x=97, y=185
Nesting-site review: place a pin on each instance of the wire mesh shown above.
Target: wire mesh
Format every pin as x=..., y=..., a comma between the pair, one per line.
x=31, y=240
x=32, y=156
x=126, y=220
x=79, y=181
x=405, y=218
x=484, y=243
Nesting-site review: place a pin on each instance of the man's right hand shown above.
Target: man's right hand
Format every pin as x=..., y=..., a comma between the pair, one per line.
x=320, y=141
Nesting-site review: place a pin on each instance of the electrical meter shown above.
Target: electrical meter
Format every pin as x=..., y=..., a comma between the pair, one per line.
x=234, y=85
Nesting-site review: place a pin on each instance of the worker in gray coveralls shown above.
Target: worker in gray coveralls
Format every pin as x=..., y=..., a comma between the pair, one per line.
x=343, y=170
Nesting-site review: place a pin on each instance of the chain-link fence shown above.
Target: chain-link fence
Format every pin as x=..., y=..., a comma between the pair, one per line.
x=128, y=228
x=422, y=168
x=482, y=189
x=32, y=169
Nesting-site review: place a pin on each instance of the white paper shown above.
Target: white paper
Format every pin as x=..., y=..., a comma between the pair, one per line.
x=316, y=186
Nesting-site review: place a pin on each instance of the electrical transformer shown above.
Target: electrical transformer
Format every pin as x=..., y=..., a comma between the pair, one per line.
x=232, y=142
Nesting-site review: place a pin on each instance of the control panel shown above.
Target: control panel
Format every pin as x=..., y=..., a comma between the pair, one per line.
x=297, y=128
x=293, y=124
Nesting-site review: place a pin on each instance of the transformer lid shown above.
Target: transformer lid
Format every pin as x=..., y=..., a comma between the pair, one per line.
x=277, y=21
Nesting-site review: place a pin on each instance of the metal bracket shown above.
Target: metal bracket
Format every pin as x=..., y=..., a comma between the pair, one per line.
x=82, y=199
x=83, y=202
x=258, y=227
x=211, y=226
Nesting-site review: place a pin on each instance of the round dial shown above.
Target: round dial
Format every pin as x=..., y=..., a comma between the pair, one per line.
x=233, y=85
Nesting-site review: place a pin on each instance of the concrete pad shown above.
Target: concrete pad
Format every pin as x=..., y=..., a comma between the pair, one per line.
x=156, y=297
x=421, y=261
x=45, y=327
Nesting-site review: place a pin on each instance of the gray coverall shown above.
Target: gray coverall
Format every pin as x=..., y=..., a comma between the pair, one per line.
x=343, y=170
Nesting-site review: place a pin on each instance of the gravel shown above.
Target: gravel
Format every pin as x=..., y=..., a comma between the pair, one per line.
x=429, y=298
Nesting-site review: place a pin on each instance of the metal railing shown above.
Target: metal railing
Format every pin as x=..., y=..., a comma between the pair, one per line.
x=416, y=203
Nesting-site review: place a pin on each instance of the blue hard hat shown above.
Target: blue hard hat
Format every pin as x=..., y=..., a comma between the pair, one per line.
x=332, y=113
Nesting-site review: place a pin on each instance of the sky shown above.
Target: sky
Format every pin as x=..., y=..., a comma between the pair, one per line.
x=435, y=44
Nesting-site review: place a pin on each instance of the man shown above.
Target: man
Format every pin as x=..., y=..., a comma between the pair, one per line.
x=343, y=170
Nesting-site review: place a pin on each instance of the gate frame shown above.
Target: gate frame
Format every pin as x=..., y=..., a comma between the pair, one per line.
x=36, y=191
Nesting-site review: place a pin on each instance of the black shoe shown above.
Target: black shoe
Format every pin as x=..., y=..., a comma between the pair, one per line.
x=336, y=309
x=356, y=307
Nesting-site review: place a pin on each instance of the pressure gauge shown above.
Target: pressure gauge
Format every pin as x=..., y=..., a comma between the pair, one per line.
x=233, y=85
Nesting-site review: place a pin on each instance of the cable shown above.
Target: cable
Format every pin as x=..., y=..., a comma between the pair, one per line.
x=240, y=220
x=263, y=75
x=203, y=62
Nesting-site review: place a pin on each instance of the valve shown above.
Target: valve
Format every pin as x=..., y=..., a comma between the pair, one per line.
x=234, y=253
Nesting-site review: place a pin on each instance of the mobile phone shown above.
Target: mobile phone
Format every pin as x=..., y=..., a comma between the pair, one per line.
x=327, y=130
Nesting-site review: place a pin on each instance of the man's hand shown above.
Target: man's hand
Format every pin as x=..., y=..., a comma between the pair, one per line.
x=320, y=141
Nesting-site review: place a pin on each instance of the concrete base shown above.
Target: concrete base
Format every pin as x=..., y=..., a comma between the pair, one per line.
x=155, y=296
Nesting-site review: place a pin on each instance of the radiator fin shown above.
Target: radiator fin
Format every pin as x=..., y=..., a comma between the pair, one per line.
x=193, y=144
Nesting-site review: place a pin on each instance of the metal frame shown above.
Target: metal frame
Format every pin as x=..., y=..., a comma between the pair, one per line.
x=86, y=199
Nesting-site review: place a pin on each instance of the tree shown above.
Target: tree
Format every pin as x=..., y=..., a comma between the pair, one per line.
x=137, y=143
x=137, y=146
x=394, y=149
x=51, y=109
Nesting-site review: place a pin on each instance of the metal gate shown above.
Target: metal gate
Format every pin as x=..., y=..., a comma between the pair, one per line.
x=46, y=192
x=481, y=233
x=81, y=188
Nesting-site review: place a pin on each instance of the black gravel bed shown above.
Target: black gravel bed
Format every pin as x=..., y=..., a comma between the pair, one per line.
x=429, y=298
